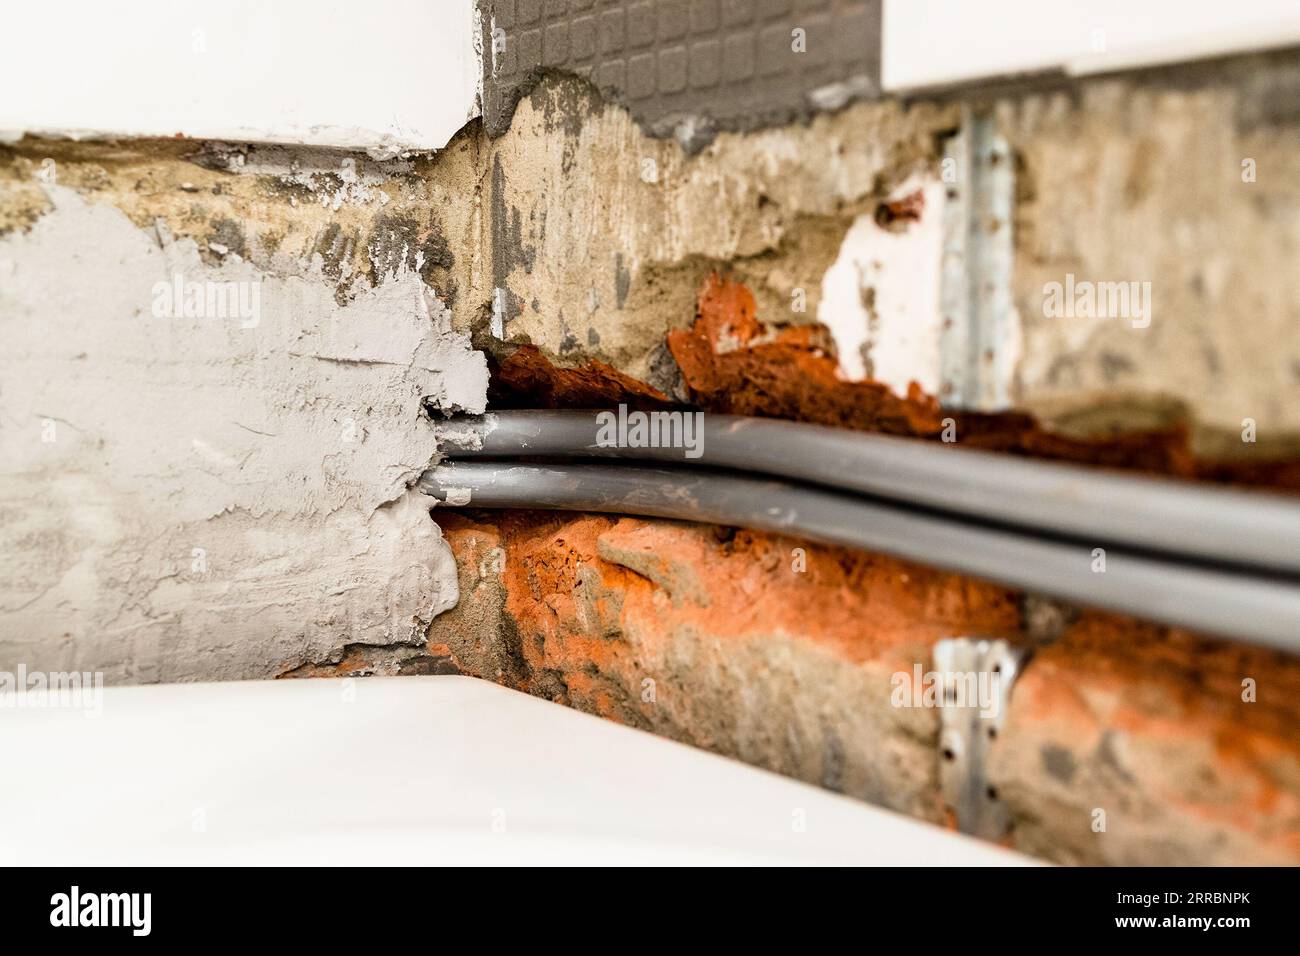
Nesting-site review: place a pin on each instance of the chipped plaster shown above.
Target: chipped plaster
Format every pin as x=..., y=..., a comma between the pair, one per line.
x=880, y=298
x=212, y=497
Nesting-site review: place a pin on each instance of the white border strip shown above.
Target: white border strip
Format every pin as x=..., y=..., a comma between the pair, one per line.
x=929, y=43
x=384, y=76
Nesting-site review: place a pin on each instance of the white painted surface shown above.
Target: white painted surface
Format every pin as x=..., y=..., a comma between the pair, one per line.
x=936, y=42
x=881, y=296
x=416, y=770
x=383, y=75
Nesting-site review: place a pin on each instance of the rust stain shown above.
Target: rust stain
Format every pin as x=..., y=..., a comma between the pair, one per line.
x=899, y=212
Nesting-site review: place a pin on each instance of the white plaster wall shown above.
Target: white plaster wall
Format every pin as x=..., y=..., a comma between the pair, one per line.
x=384, y=75
x=191, y=495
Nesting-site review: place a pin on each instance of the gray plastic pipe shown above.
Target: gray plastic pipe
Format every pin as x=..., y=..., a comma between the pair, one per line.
x=1214, y=601
x=1212, y=524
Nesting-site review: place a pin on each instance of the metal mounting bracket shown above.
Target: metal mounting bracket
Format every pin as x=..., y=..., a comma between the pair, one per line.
x=974, y=677
x=981, y=329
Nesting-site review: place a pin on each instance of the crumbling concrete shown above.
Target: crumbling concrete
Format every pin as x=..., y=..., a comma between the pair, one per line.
x=1185, y=180
x=1176, y=179
x=602, y=267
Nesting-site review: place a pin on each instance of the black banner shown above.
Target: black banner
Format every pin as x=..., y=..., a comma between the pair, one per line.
x=1149, y=906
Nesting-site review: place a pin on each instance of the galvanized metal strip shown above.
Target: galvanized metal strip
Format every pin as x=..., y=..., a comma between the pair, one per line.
x=980, y=339
x=975, y=677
